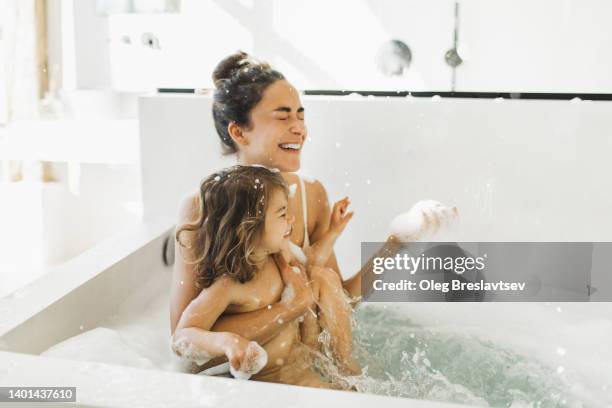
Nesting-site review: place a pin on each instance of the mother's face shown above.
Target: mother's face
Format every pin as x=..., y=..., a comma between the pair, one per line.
x=277, y=132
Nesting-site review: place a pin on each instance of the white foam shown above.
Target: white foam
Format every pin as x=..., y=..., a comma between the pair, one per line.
x=306, y=176
x=292, y=190
x=288, y=294
x=189, y=351
x=297, y=252
x=100, y=345
x=413, y=226
x=254, y=360
x=272, y=169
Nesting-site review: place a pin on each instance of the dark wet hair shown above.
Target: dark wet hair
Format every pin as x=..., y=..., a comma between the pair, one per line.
x=240, y=82
x=231, y=220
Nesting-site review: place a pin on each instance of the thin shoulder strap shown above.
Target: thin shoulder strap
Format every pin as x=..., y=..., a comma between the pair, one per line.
x=305, y=209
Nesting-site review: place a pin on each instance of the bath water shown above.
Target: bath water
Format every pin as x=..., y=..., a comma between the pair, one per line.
x=493, y=354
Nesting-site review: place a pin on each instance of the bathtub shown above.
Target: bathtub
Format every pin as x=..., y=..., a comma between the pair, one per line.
x=515, y=169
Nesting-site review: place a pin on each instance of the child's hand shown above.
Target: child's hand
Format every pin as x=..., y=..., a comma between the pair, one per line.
x=340, y=217
x=235, y=350
x=294, y=276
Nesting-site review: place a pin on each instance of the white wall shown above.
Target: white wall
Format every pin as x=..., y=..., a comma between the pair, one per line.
x=540, y=46
x=3, y=93
x=91, y=46
x=507, y=45
x=532, y=171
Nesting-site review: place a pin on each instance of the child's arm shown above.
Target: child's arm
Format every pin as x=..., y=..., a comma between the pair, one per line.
x=200, y=346
x=319, y=252
x=192, y=338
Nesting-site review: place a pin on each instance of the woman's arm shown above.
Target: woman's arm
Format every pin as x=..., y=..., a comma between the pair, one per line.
x=264, y=324
x=319, y=252
x=323, y=220
x=183, y=289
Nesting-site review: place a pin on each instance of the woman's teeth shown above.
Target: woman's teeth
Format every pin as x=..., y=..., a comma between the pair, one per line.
x=291, y=146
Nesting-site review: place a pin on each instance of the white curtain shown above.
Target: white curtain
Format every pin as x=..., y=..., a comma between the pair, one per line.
x=19, y=80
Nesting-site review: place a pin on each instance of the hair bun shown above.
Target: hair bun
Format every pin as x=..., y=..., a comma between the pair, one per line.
x=228, y=65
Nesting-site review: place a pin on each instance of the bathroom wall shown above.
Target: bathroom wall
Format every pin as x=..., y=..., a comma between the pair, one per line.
x=507, y=45
x=534, y=171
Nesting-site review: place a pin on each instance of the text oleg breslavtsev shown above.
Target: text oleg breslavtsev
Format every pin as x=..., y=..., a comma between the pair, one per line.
x=455, y=285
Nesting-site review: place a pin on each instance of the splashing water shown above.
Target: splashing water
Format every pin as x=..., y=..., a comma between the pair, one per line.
x=437, y=359
x=402, y=359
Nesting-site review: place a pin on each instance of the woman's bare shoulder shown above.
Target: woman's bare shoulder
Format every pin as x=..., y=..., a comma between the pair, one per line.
x=189, y=206
x=314, y=188
x=316, y=192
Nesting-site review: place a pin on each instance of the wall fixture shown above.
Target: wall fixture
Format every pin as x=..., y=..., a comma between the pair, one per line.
x=452, y=57
x=150, y=40
x=394, y=58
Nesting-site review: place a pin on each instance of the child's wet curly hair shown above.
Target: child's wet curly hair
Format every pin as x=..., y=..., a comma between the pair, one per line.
x=233, y=204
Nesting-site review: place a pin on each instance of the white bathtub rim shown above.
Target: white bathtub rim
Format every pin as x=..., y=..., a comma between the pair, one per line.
x=33, y=298
x=167, y=389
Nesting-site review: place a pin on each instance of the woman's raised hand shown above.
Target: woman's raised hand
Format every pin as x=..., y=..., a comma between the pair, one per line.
x=340, y=216
x=423, y=220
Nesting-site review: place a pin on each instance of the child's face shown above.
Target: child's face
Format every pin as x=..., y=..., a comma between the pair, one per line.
x=278, y=223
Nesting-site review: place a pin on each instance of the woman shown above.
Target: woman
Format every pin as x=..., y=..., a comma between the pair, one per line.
x=259, y=117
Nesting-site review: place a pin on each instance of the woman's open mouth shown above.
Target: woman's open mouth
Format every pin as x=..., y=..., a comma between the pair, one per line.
x=294, y=148
x=288, y=233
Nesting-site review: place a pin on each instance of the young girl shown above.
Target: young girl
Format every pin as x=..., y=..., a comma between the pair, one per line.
x=241, y=251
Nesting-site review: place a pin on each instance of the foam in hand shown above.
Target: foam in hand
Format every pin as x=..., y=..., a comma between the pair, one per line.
x=255, y=358
x=413, y=225
x=188, y=351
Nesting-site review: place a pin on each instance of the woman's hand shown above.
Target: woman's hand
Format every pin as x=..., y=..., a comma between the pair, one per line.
x=423, y=220
x=340, y=217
